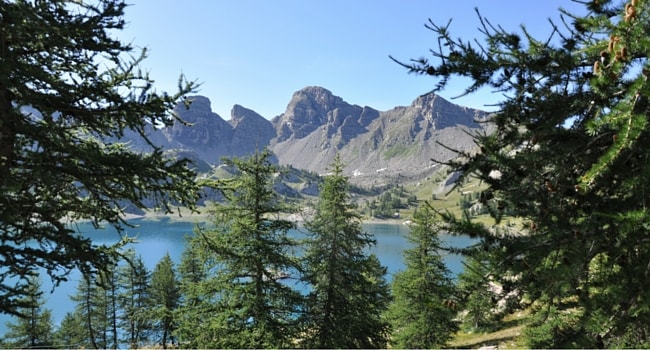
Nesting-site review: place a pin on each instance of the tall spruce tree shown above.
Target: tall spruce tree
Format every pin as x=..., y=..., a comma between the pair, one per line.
x=569, y=158
x=195, y=305
x=348, y=290
x=134, y=300
x=109, y=290
x=68, y=91
x=91, y=309
x=35, y=329
x=422, y=314
x=247, y=256
x=165, y=296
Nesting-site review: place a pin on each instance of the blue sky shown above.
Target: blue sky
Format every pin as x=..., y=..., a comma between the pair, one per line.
x=257, y=53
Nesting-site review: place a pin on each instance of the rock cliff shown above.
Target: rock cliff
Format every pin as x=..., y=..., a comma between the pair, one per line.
x=374, y=144
x=317, y=125
x=250, y=131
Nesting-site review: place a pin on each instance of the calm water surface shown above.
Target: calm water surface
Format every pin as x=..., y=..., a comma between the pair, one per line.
x=159, y=237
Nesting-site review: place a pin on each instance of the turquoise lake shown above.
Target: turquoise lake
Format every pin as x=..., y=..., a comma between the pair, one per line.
x=159, y=237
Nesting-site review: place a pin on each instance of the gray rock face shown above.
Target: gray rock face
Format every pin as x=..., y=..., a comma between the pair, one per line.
x=211, y=137
x=317, y=125
x=400, y=141
x=314, y=107
x=327, y=120
x=208, y=128
x=441, y=113
x=251, y=131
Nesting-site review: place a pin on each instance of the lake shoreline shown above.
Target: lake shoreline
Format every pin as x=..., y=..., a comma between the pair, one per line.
x=184, y=215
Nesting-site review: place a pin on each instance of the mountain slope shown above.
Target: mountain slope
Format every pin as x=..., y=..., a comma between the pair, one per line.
x=316, y=125
x=398, y=141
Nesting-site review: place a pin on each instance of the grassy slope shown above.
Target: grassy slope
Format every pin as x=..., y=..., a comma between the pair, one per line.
x=507, y=336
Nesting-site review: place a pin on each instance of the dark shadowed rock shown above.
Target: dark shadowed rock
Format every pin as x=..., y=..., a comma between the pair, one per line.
x=310, y=189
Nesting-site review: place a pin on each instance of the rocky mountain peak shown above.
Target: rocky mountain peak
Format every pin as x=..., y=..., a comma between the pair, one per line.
x=207, y=127
x=307, y=110
x=240, y=114
x=199, y=104
x=441, y=113
x=317, y=125
x=249, y=127
x=318, y=96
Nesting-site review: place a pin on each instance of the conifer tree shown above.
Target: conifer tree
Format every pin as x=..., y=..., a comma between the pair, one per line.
x=348, y=290
x=476, y=298
x=247, y=257
x=109, y=286
x=134, y=300
x=71, y=333
x=165, y=296
x=195, y=306
x=91, y=308
x=35, y=329
x=68, y=92
x=569, y=158
x=422, y=314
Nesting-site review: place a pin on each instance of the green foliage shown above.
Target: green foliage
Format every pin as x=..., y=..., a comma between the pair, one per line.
x=91, y=309
x=348, y=289
x=110, y=286
x=391, y=201
x=109, y=304
x=400, y=150
x=555, y=328
x=196, y=307
x=423, y=311
x=465, y=202
x=165, y=296
x=68, y=92
x=477, y=297
x=71, y=332
x=239, y=299
x=35, y=328
x=571, y=148
x=134, y=301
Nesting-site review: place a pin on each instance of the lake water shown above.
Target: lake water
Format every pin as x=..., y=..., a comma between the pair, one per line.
x=159, y=237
